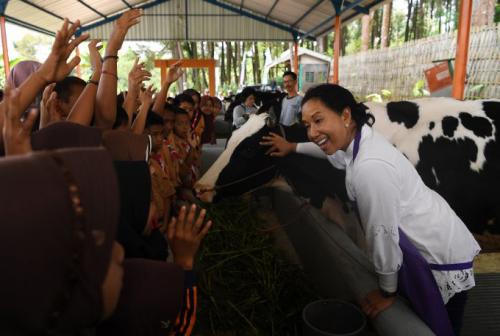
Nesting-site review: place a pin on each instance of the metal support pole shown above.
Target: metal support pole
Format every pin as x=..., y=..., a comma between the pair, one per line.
x=336, y=50
x=5, y=48
x=462, y=49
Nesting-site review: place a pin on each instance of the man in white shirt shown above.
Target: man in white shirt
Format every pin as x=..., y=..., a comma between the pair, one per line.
x=290, y=107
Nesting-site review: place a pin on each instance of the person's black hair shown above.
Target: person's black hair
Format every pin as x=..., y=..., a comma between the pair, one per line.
x=1, y=95
x=337, y=98
x=183, y=97
x=192, y=92
x=174, y=109
x=247, y=92
x=121, y=117
x=291, y=74
x=153, y=119
x=65, y=87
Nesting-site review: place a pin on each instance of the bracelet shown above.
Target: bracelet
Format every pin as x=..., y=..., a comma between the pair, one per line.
x=90, y=81
x=104, y=72
x=110, y=57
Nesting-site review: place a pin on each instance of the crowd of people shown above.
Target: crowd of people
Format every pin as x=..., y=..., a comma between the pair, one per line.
x=108, y=183
x=97, y=191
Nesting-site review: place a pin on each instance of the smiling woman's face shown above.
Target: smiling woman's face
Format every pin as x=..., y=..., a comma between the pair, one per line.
x=326, y=127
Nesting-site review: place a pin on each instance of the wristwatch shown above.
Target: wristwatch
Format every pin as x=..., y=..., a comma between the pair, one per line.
x=388, y=294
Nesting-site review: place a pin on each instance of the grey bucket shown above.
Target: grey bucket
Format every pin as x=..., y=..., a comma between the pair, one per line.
x=333, y=318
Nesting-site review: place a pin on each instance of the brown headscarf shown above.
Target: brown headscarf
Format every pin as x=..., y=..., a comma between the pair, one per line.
x=150, y=300
x=126, y=146
x=65, y=134
x=59, y=214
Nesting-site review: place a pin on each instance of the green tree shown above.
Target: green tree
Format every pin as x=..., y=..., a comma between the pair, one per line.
x=28, y=46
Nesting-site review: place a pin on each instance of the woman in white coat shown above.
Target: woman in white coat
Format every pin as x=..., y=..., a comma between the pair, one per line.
x=419, y=247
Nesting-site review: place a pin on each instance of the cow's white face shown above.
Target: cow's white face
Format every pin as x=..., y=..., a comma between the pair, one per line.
x=438, y=117
x=205, y=187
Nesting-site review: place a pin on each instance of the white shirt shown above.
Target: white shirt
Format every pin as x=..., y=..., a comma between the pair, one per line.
x=390, y=195
x=290, y=110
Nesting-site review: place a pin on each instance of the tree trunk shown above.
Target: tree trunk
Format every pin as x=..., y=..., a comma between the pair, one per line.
x=236, y=61
x=408, y=18
x=229, y=60
x=386, y=23
x=203, y=70
x=177, y=54
x=483, y=12
x=373, y=28
x=222, y=64
x=256, y=64
x=365, y=32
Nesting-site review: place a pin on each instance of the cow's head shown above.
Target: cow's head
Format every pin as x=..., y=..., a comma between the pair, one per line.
x=243, y=165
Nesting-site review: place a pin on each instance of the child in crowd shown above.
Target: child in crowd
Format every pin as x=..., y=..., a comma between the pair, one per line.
x=163, y=190
x=188, y=157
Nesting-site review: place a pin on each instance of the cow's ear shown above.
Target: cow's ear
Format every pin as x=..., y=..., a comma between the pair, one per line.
x=271, y=118
x=270, y=122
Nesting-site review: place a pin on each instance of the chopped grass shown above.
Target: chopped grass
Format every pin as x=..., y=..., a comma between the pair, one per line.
x=247, y=286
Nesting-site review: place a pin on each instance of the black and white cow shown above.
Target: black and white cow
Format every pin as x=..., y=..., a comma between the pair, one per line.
x=453, y=145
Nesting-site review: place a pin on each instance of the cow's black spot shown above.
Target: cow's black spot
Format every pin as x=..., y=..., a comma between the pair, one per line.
x=448, y=161
x=431, y=125
x=403, y=112
x=479, y=125
x=450, y=125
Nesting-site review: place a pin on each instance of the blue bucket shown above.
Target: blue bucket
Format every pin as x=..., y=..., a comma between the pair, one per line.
x=333, y=318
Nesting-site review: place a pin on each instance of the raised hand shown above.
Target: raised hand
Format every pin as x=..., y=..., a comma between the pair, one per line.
x=16, y=132
x=185, y=235
x=95, y=56
x=122, y=25
x=146, y=96
x=48, y=106
x=174, y=72
x=137, y=75
x=193, y=139
x=56, y=67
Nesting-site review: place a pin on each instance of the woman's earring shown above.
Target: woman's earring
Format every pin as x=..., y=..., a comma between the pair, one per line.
x=346, y=125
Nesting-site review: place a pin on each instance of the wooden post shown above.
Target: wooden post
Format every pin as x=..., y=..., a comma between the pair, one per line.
x=462, y=49
x=78, y=69
x=5, y=48
x=336, y=51
x=296, y=57
x=211, y=80
x=190, y=63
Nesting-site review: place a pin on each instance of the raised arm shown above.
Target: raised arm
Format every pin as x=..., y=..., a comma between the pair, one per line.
x=106, y=92
x=146, y=98
x=16, y=134
x=55, y=67
x=173, y=74
x=83, y=110
x=136, y=76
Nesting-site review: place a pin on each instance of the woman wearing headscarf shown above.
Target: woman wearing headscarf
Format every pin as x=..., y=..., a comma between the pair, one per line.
x=419, y=247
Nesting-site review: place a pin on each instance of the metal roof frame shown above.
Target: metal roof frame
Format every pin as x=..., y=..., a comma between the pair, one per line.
x=350, y=9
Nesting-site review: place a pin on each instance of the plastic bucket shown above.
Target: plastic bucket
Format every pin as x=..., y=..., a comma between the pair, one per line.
x=333, y=318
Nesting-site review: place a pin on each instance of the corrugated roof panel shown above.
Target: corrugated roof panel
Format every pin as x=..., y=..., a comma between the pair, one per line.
x=207, y=21
x=167, y=21
x=31, y=15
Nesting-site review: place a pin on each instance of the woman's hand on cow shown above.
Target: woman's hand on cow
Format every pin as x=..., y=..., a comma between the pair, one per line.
x=185, y=234
x=374, y=303
x=280, y=147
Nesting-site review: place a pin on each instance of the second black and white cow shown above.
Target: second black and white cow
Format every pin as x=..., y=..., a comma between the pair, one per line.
x=453, y=145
